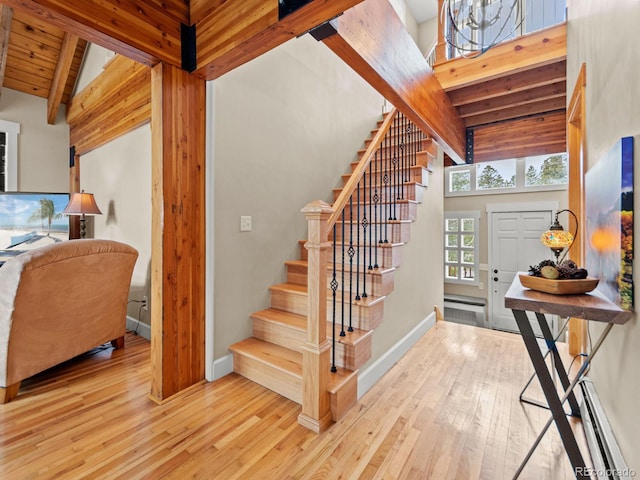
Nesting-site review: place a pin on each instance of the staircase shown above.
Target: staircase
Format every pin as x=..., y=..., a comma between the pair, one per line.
x=371, y=216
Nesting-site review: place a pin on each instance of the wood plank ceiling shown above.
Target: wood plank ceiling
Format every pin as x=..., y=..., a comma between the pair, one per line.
x=41, y=59
x=513, y=97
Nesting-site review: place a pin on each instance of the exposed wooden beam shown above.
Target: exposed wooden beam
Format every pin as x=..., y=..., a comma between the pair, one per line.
x=525, y=110
x=374, y=42
x=61, y=75
x=230, y=33
x=537, y=135
x=147, y=31
x=114, y=103
x=6, y=14
x=523, y=53
x=178, y=234
x=518, y=99
x=510, y=84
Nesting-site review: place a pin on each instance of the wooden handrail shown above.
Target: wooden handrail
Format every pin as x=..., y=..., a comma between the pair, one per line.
x=359, y=171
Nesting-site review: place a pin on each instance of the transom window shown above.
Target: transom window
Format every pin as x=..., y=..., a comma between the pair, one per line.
x=461, y=262
x=514, y=175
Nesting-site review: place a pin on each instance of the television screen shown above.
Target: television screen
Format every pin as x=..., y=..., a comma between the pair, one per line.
x=31, y=220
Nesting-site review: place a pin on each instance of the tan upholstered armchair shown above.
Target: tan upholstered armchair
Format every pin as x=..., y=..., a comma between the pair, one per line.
x=59, y=301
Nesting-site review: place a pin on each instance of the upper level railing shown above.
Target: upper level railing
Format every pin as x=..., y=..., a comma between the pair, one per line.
x=499, y=21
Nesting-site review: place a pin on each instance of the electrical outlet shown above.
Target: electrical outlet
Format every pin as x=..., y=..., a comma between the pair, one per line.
x=245, y=223
x=145, y=302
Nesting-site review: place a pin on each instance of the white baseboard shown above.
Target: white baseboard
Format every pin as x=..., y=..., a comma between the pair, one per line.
x=224, y=365
x=139, y=327
x=221, y=367
x=371, y=375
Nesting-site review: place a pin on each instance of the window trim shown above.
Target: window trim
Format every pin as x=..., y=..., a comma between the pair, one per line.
x=12, y=129
x=459, y=215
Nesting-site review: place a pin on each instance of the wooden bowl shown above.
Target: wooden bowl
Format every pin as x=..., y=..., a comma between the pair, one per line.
x=558, y=287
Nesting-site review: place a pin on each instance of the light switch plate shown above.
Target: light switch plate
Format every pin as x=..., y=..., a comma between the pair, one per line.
x=245, y=223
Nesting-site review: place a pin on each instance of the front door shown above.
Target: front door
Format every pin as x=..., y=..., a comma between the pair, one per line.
x=515, y=245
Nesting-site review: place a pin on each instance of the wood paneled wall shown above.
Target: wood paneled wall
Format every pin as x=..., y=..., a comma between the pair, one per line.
x=536, y=135
x=114, y=103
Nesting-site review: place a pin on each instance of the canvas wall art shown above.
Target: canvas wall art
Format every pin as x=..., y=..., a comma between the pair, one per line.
x=609, y=223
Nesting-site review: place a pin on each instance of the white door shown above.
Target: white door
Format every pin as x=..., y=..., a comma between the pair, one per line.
x=515, y=245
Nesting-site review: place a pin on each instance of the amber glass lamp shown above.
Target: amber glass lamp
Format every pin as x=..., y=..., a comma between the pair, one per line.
x=557, y=238
x=82, y=204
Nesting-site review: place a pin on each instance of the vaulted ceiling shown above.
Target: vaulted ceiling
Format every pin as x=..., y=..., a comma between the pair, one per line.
x=38, y=58
x=43, y=60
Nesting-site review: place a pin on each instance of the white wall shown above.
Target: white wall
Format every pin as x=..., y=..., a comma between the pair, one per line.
x=43, y=149
x=287, y=125
x=119, y=176
x=602, y=35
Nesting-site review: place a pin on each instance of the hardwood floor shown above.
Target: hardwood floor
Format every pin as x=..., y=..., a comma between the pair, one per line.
x=448, y=410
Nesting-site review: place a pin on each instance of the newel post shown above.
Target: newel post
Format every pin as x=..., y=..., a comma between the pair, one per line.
x=316, y=409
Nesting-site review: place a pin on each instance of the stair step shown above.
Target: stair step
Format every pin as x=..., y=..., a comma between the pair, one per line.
x=289, y=330
x=395, y=231
x=405, y=210
x=411, y=191
x=424, y=157
x=380, y=281
x=418, y=174
x=389, y=254
x=343, y=392
x=366, y=313
x=274, y=367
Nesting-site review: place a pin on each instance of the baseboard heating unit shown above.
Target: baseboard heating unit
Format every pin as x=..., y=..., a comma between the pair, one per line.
x=605, y=453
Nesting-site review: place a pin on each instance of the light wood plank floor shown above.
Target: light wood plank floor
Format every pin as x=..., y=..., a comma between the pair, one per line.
x=447, y=410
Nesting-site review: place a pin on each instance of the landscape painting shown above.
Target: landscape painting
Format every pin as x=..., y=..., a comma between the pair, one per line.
x=609, y=223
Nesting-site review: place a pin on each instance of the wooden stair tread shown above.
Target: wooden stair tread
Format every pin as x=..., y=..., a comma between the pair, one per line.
x=292, y=320
x=339, y=378
x=350, y=338
x=381, y=222
x=297, y=289
x=305, y=264
x=406, y=184
x=276, y=356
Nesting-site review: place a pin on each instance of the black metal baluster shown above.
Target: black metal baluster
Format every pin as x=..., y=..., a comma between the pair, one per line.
x=364, y=236
x=334, y=288
x=351, y=252
x=342, y=289
x=358, y=248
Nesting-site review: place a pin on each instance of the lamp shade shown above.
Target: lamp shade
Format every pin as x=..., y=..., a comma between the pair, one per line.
x=82, y=204
x=556, y=239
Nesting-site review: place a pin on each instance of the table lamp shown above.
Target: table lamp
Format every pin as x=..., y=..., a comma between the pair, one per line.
x=82, y=204
x=557, y=238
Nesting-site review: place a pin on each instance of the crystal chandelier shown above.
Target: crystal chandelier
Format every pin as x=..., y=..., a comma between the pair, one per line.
x=474, y=26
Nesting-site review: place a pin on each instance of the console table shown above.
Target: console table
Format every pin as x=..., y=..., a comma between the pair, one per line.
x=591, y=306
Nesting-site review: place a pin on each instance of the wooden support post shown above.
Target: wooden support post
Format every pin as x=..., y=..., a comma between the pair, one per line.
x=74, y=186
x=178, y=230
x=316, y=409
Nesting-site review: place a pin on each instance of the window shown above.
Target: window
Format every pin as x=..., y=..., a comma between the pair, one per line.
x=546, y=170
x=493, y=175
x=461, y=262
x=9, y=156
x=514, y=175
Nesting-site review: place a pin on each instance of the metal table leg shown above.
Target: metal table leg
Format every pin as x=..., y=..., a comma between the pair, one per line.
x=553, y=400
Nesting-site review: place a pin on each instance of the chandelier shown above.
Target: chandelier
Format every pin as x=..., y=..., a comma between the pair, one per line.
x=474, y=26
